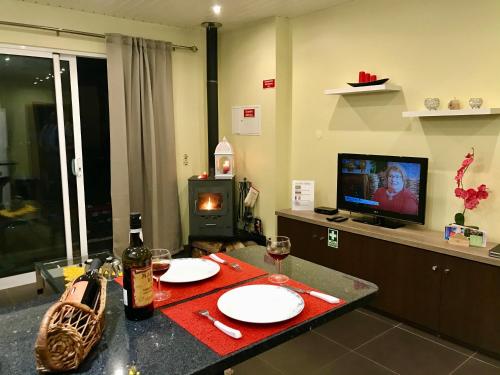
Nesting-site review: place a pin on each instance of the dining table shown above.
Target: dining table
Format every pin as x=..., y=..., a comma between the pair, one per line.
x=160, y=344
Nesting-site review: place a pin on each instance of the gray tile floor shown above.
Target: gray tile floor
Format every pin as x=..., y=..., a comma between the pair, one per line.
x=359, y=343
x=365, y=343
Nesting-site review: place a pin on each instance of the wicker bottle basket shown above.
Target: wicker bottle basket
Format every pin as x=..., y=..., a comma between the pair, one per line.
x=68, y=332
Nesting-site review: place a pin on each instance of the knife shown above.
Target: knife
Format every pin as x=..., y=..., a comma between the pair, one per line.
x=234, y=333
x=323, y=296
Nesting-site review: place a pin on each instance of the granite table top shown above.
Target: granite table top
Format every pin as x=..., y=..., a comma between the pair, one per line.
x=158, y=345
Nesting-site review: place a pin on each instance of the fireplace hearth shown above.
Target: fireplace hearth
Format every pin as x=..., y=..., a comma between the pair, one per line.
x=211, y=208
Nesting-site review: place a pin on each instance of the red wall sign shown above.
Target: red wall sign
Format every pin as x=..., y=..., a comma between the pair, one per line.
x=268, y=83
x=249, y=112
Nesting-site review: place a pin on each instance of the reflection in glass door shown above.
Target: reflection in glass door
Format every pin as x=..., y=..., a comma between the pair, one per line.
x=42, y=200
x=31, y=207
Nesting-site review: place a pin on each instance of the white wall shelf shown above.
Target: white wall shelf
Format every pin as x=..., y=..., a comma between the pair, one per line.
x=363, y=89
x=455, y=112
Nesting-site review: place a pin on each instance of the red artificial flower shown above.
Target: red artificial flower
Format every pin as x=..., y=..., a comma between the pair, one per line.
x=481, y=192
x=470, y=196
x=471, y=203
x=467, y=162
x=460, y=174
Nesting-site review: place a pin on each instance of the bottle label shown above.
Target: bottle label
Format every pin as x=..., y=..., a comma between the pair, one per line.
x=77, y=291
x=142, y=286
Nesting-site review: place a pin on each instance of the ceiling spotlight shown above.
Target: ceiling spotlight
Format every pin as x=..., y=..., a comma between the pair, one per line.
x=216, y=9
x=7, y=59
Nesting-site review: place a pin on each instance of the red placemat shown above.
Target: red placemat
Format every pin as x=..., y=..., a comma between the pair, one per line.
x=226, y=277
x=200, y=327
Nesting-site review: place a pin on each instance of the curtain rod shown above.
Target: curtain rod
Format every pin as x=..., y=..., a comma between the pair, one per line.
x=76, y=32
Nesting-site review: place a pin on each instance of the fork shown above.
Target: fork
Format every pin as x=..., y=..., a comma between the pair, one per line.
x=323, y=296
x=234, y=266
x=234, y=333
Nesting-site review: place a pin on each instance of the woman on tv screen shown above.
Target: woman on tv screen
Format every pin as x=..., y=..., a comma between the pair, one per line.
x=395, y=197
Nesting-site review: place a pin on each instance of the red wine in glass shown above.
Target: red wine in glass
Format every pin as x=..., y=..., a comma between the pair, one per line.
x=278, y=248
x=277, y=256
x=160, y=266
x=160, y=263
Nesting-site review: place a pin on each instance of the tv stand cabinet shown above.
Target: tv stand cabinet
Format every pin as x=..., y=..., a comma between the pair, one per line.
x=379, y=222
x=450, y=290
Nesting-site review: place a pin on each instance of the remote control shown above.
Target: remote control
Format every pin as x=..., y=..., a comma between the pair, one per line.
x=337, y=219
x=340, y=219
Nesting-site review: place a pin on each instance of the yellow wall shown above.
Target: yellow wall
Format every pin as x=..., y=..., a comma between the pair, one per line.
x=248, y=56
x=439, y=49
x=283, y=113
x=188, y=69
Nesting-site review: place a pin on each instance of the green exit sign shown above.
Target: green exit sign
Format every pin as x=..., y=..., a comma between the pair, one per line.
x=333, y=238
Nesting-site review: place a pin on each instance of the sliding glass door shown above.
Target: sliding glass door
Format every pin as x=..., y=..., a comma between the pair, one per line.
x=43, y=213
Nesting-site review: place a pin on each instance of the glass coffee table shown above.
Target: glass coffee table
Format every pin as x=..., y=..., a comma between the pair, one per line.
x=52, y=272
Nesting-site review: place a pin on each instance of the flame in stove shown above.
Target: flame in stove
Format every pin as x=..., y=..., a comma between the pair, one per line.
x=208, y=205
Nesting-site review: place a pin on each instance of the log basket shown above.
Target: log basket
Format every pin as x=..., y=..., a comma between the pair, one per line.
x=69, y=330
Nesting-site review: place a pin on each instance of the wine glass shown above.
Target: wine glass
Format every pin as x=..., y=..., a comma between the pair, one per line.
x=161, y=263
x=278, y=248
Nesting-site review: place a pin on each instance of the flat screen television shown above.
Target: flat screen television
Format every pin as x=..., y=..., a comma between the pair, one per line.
x=391, y=189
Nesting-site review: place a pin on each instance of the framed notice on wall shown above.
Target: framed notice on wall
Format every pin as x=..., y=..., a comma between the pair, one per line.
x=302, y=195
x=246, y=120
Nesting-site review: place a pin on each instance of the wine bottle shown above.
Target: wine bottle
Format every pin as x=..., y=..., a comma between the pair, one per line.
x=137, y=274
x=87, y=287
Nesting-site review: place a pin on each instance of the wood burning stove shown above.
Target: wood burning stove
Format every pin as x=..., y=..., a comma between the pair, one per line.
x=211, y=207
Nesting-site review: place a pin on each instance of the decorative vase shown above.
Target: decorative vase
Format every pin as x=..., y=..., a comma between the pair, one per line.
x=475, y=103
x=454, y=104
x=459, y=219
x=431, y=104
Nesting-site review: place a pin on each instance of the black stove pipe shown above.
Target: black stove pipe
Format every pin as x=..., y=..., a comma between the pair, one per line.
x=212, y=92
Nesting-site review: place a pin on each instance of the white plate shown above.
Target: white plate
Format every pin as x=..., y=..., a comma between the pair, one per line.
x=186, y=270
x=261, y=303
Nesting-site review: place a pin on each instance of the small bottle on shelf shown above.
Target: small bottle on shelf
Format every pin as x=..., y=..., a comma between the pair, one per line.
x=137, y=274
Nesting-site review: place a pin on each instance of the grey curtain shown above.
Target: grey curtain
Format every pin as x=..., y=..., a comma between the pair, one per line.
x=143, y=165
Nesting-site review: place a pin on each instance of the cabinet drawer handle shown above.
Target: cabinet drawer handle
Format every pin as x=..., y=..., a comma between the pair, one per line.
x=314, y=236
x=434, y=268
x=447, y=270
x=322, y=238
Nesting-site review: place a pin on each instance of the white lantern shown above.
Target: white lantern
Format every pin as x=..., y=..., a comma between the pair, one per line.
x=224, y=160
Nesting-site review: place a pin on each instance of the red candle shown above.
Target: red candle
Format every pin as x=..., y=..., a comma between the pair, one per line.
x=362, y=77
x=367, y=77
x=373, y=77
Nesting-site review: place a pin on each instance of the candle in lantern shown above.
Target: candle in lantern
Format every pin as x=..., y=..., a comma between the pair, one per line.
x=225, y=167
